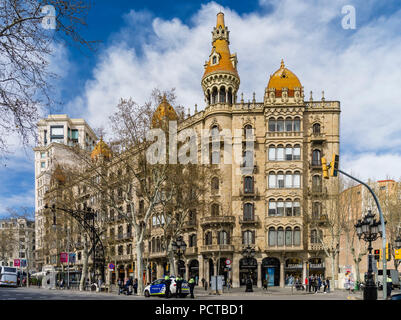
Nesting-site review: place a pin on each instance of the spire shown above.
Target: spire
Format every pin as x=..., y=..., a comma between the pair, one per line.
x=220, y=20
x=282, y=66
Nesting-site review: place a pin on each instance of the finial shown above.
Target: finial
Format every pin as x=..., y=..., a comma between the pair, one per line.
x=242, y=97
x=164, y=97
x=254, y=100
x=311, y=99
x=189, y=112
x=323, y=96
x=282, y=64
x=196, y=108
x=220, y=20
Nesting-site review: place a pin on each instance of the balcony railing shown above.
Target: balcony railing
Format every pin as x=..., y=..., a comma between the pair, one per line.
x=190, y=224
x=217, y=220
x=217, y=248
x=249, y=220
x=252, y=192
x=316, y=164
x=317, y=137
x=315, y=246
x=191, y=250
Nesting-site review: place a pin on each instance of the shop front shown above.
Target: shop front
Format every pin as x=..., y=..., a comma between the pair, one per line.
x=292, y=271
x=271, y=271
x=193, y=270
x=317, y=267
x=248, y=267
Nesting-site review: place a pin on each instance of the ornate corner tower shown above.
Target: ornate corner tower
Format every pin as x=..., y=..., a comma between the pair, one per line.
x=220, y=82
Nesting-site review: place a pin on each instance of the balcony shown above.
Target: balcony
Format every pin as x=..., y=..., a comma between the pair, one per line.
x=191, y=224
x=314, y=164
x=251, y=193
x=191, y=250
x=160, y=254
x=317, y=137
x=217, y=220
x=315, y=247
x=249, y=221
x=217, y=248
x=123, y=257
x=317, y=191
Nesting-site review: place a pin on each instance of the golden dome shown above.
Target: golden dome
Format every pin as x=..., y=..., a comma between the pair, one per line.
x=221, y=48
x=164, y=111
x=284, y=78
x=101, y=148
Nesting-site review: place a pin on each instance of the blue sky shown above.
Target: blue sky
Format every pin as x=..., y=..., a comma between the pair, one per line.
x=147, y=44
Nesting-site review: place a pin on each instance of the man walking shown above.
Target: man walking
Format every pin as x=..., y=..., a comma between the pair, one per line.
x=389, y=286
x=179, y=286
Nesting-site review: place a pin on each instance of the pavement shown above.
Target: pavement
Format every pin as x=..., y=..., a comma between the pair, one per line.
x=273, y=293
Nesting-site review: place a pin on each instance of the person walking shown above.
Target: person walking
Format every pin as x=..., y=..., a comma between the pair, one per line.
x=328, y=285
x=120, y=284
x=135, y=285
x=203, y=282
x=389, y=286
x=191, y=284
x=167, y=282
x=319, y=283
x=206, y=285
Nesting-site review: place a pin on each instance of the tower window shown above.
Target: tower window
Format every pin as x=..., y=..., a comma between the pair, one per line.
x=214, y=60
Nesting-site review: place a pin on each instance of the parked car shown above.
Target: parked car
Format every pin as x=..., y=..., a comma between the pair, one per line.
x=158, y=288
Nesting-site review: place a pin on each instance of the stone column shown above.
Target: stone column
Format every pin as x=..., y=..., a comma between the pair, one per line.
x=304, y=271
x=235, y=270
x=201, y=269
x=259, y=271
x=159, y=270
x=187, y=270
x=282, y=283
x=226, y=96
x=125, y=272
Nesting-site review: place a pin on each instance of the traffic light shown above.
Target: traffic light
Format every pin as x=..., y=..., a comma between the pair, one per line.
x=377, y=253
x=334, y=165
x=325, y=169
x=388, y=253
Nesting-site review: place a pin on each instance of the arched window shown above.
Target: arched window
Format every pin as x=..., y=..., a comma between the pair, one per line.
x=297, y=236
x=248, y=131
x=214, y=59
x=208, y=96
x=208, y=238
x=297, y=152
x=272, y=208
x=272, y=153
x=288, y=179
x=280, y=179
x=280, y=153
x=223, y=94
x=215, y=184
x=152, y=245
x=316, y=161
x=214, y=95
x=288, y=124
x=230, y=96
x=215, y=209
x=296, y=208
x=248, y=185
x=248, y=212
x=248, y=237
x=297, y=124
x=313, y=236
x=288, y=236
x=316, y=210
x=280, y=237
x=316, y=128
x=272, y=180
x=272, y=237
x=280, y=125
x=297, y=180
x=272, y=125
x=280, y=207
x=192, y=240
x=288, y=208
x=317, y=183
x=288, y=152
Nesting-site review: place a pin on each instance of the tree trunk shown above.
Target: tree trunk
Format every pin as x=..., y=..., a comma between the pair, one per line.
x=333, y=267
x=358, y=277
x=139, y=267
x=84, y=267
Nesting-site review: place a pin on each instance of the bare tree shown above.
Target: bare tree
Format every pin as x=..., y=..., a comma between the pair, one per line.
x=29, y=31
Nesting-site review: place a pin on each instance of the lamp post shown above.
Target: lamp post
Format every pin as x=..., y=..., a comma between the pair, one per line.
x=179, y=246
x=249, y=254
x=368, y=229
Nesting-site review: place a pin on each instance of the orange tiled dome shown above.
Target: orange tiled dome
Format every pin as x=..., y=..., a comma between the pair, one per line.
x=284, y=78
x=101, y=148
x=163, y=111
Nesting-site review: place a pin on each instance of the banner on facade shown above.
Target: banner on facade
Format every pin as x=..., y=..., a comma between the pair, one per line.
x=23, y=263
x=72, y=258
x=17, y=262
x=63, y=257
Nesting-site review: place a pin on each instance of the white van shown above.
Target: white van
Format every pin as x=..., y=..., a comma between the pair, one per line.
x=8, y=276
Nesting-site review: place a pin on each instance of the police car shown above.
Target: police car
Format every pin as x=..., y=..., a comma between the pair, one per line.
x=158, y=288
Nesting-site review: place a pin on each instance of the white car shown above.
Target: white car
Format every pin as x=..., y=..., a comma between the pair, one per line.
x=158, y=288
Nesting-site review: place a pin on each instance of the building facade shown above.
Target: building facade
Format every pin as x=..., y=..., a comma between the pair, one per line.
x=273, y=200
x=17, y=237
x=54, y=132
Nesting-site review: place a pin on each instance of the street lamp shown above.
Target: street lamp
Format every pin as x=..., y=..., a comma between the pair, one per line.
x=249, y=254
x=398, y=242
x=179, y=246
x=368, y=229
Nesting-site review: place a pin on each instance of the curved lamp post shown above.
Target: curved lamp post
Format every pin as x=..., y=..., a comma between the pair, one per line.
x=368, y=229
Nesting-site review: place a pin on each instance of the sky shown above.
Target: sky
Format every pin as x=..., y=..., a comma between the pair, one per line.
x=164, y=44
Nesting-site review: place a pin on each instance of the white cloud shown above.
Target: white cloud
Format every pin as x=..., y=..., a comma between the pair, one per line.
x=357, y=67
x=16, y=201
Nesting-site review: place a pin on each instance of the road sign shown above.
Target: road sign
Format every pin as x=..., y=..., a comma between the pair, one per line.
x=397, y=254
x=17, y=262
x=111, y=267
x=63, y=257
x=228, y=262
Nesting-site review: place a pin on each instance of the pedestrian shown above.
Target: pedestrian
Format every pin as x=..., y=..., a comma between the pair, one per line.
x=191, y=284
x=328, y=285
x=324, y=285
x=206, y=284
x=178, y=286
x=316, y=284
x=265, y=284
x=135, y=285
x=319, y=283
x=228, y=284
x=389, y=286
x=128, y=286
x=167, y=282
x=310, y=283
x=120, y=285
x=306, y=284
x=62, y=283
x=203, y=282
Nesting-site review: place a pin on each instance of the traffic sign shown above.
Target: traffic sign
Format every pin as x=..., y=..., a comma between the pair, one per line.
x=111, y=267
x=17, y=262
x=228, y=262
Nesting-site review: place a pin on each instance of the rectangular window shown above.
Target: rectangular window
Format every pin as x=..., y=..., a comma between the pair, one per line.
x=280, y=154
x=272, y=208
x=288, y=209
x=43, y=155
x=288, y=125
x=272, y=125
x=43, y=165
x=297, y=180
x=45, y=137
x=280, y=209
x=297, y=153
x=57, y=130
x=272, y=181
x=280, y=181
x=74, y=134
x=288, y=154
x=297, y=209
x=288, y=180
x=280, y=237
x=288, y=237
x=297, y=125
x=280, y=125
